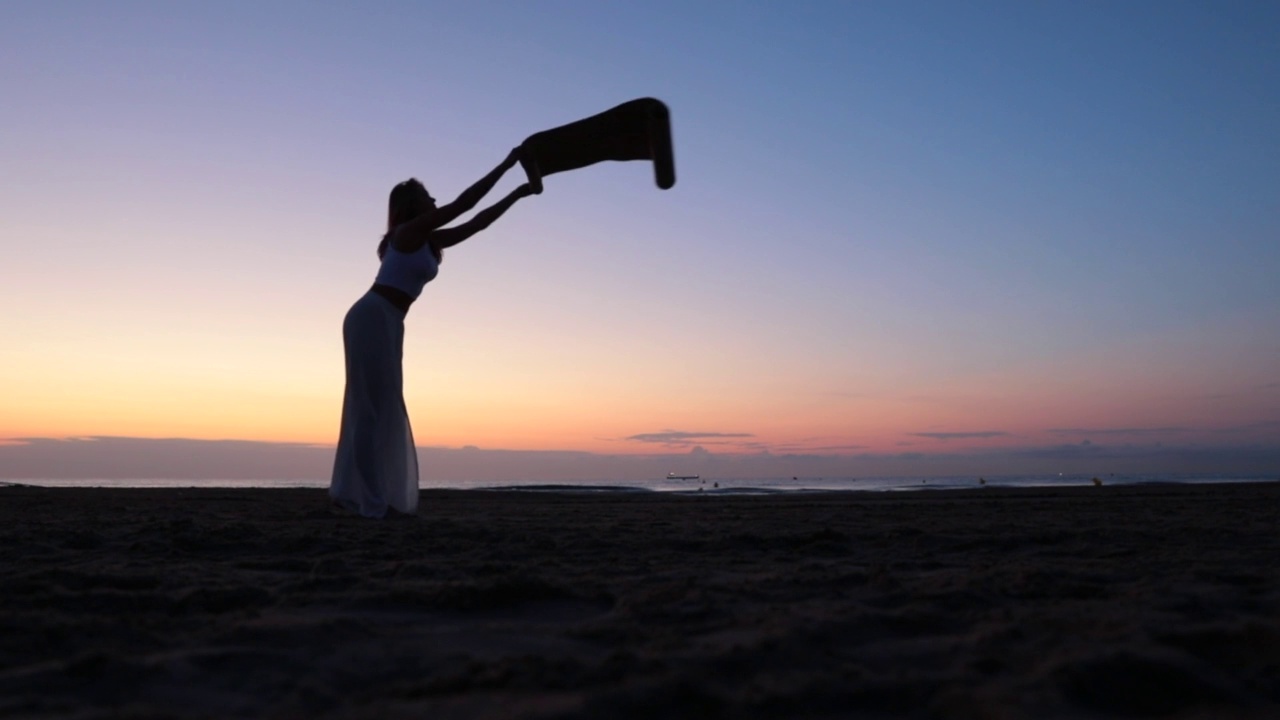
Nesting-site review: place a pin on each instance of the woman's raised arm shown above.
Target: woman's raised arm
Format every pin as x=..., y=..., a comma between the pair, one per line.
x=448, y=237
x=472, y=195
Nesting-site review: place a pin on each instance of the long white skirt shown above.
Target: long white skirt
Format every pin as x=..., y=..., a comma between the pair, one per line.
x=376, y=465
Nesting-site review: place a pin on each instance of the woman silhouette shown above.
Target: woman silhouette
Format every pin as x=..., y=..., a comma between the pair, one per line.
x=375, y=468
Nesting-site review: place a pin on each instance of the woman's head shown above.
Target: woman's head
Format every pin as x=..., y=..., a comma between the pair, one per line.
x=408, y=200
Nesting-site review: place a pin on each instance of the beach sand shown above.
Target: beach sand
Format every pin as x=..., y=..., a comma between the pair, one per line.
x=986, y=603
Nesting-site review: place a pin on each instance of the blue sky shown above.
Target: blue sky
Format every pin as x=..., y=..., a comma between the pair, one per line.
x=898, y=227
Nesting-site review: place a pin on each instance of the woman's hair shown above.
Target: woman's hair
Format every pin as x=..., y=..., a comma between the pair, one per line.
x=407, y=201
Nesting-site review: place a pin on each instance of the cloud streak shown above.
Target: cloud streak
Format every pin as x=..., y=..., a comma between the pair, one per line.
x=680, y=437
x=1262, y=426
x=1139, y=431
x=820, y=448
x=961, y=435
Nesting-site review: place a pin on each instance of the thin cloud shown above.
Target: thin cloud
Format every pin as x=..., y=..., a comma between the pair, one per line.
x=1250, y=428
x=819, y=448
x=1066, y=452
x=680, y=437
x=961, y=435
x=1119, y=431
x=1151, y=457
x=1138, y=432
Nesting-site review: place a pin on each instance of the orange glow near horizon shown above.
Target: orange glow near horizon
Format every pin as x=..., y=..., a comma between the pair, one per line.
x=570, y=394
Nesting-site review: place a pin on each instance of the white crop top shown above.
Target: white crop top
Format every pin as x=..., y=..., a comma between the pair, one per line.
x=408, y=272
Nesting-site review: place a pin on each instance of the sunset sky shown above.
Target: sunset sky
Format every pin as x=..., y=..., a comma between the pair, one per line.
x=904, y=235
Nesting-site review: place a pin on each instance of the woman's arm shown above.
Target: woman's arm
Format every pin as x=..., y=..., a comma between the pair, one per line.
x=448, y=237
x=472, y=195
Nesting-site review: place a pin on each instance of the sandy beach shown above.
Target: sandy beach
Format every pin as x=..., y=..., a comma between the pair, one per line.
x=1149, y=601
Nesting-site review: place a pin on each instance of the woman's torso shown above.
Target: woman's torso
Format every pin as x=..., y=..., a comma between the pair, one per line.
x=407, y=272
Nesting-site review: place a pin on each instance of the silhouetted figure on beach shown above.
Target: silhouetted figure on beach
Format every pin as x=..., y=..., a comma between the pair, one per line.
x=375, y=468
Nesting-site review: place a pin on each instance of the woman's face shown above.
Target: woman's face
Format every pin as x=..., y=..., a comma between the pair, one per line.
x=420, y=202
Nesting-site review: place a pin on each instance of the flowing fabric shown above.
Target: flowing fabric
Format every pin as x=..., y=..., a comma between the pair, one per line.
x=376, y=465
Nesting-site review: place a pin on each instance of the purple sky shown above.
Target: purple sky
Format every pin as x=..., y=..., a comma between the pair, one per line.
x=904, y=234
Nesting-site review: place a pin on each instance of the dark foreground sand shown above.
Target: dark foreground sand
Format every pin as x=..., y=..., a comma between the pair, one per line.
x=1081, y=602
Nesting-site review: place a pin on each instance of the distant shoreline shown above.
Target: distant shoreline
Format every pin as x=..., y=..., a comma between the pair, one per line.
x=706, y=486
x=992, y=489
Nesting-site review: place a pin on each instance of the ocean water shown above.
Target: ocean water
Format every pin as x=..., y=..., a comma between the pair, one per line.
x=714, y=485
